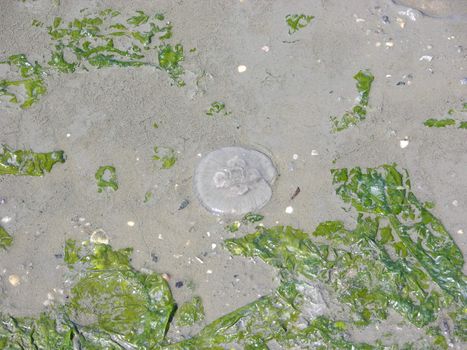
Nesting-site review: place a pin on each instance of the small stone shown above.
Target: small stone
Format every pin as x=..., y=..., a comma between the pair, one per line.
x=265, y=48
x=463, y=81
x=404, y=143
x=385, y=19
x=14, y=280
x=241, y=68
x=426, y=58
x=314, y=152
x=295, y=156
x=209, y=272
x=289, y=210
x=6, y=219
x=131, y=223
x=179, y=284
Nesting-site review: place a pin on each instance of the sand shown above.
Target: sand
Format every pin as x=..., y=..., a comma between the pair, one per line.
x=281, y=105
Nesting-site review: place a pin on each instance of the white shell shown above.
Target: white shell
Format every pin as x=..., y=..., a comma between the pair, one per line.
x=234, y=180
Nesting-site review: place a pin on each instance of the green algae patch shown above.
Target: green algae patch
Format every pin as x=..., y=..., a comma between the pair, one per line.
x=43, y=332
x=217, y=108
x=5, y=239
x=297, y=22
x=451, y=121
x=102, y=40
x=27, y=162
x=96, y=40
x=248, y=218
x=115, y=301
x=110, y=306
x=28, y=87
x=398, y=258
x=358, y=113
x=278, y=317
x=106, y=177
x=190, y=312
x=170, y=58
x=439, y=123
x=166, y=156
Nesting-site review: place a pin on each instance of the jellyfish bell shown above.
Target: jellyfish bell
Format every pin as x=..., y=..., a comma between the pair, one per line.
x=234, y=180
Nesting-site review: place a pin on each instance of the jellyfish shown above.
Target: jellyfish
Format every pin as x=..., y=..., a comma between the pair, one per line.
x=234, y=180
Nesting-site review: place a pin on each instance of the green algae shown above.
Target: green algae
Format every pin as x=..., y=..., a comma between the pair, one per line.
x=166, y=156
x=399, y=257
x=448, y=122
x=276, y=317
x=30, y=81
x=248, y=218
x=296, y=22
x=106, y=177
x=217, y=108
x=170, y=58
x=111, y=306
x=27, y=162
x=102, y=40
x=439, y=123
x=5, y=239
x=358, y=113
x=190, y=312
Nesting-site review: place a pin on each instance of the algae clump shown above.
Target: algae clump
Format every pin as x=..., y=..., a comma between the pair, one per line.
x=27, y=162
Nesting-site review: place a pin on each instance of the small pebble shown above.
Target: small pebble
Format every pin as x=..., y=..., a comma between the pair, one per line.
x=179, y=284
x=213, y=246
x=209, y=272
x=385, y=19
x=6, y=219
x=295, y=156
x=463, y=81
x=289, y=210
x=265, y=48
x=426, y=58
x=131, y=223
x=455, y=203
x=389, y=44
x=241, y=68
x=404, y=143
x=14, y=280
x=68, y=135
x=314, y=152
x=460, y=232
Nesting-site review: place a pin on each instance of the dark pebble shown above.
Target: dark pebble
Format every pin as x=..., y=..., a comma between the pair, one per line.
x=179, y=284
x=154, y=257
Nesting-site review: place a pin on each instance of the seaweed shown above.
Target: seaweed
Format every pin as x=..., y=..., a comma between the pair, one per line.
x=297, y=22
x=166, y=156
x=111, y=306
x=170, y=58
x=358, y=113
x=217, y=108
x=450, y=121
x=106, y=176
x=5, y=239
x=96, y=40
x=398, y=257
x=27, y=162
x=439, y=123
x=190, y=312
x=31, y=81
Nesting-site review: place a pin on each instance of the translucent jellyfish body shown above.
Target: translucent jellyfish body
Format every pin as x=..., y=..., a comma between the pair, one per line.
x=234, y=180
